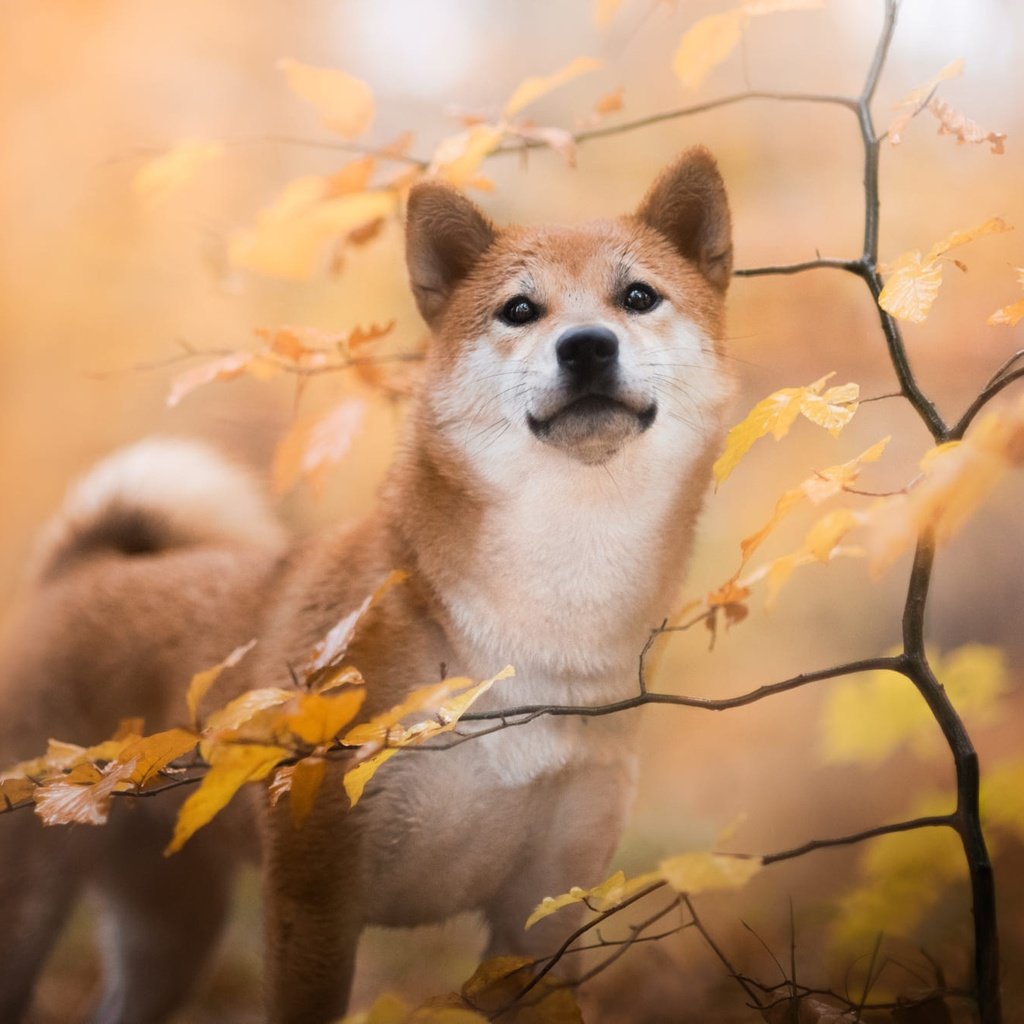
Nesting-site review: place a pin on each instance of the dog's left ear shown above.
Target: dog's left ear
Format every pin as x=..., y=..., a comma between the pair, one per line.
x=445, y=235
x=688, y=205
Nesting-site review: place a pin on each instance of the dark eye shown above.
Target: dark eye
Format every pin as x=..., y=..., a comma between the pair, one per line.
x=519, y=310
x=640, y=297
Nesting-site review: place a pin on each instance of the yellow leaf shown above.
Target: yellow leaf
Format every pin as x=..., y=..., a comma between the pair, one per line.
x=387, y=1009
x=231, y=766
x=356, y=778
x=202, y=681
x=458, y=157
x=66, y=802
x=306, y=778
x=911, y=103
x=228, y=367
x=957, y=479
x=914, y=282
x=160, y=177
x=706, y=45
x=291, y=236
x=868, y=718
x=15, y=790
x=1002, y=797
x=318, y=719
x=905, y=875
x=533, y=88
x=377, y=729
x=496, y=982
x=711, y=39
x=344, y=103
x=708, y=872
x=611, y=102
x=238, y=711
x=314, y=445
x=151, y=754
x=778, y=412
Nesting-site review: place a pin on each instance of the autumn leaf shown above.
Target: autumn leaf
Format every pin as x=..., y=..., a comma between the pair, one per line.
x=151, y=754
x=315, y=444
x=326, y=657
x=952, y=122
x=202, y=681
x=241, y=709
x=497, y=982
x=914, y=279
x=317, y=719
x=344, y=103
x=231, y=766
x=711, y=39
x=226, y=367
x=817, y=488
x=85, y=802
x=911, y=104
x=831, y=409
x=689, y=873
x=291, y=236
x=1010, y=316
x=868, y=718
x=356, y=778
x=161, y=177
x=693, y=873
x=457, y=159
x=532, y=89
x=302, y=782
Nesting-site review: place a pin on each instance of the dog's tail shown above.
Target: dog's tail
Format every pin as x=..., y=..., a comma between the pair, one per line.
x=158, y=494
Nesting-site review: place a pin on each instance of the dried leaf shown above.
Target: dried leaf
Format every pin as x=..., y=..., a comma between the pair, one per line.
x=532, y=89
x=344, y=103
x=952, y=122
x=88, y=803
x=151, y=754
x=496, y=982
x=307, y=777
x=559, y=139
x=1010, y=316
x=832, y=409
x=317, y=720
x=315, y=444
x=693, y=873
x=231, y=766
x=240, y=710
x=227, y=367
x=914, y=281
x=611, y=102
x=161, y=177
x=326, y=657
x=910, y=105
x=291, y=236
x=202, y=681
x=458, y=157
x=356, y=778
x=711, y=39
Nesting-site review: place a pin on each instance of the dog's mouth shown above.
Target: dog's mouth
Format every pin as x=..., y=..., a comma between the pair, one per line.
x=592, y=427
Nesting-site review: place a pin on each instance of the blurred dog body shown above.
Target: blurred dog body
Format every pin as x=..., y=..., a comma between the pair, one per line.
x=543, y=504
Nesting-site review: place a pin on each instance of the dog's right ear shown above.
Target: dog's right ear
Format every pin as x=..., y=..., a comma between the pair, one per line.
x=445, y=234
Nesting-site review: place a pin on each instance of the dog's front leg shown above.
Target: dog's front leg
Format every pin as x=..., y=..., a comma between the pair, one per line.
x=312, y=907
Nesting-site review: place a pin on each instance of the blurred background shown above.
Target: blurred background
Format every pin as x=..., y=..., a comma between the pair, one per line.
x=100, y=291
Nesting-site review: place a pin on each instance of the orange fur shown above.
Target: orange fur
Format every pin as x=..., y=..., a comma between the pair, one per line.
x=556, y=551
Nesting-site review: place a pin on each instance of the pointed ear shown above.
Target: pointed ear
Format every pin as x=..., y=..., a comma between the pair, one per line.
x=687, y=204
x=445, y=235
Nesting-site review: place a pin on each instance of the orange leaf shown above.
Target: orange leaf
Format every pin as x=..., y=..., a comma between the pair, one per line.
x=165, y=174
x=458, y=157
x=315, y=444
x=202, y=681
x=910, y=105
x=952, y=122
x=67, y=802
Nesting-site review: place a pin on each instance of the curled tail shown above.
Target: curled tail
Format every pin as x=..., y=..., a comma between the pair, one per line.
x=158, y=494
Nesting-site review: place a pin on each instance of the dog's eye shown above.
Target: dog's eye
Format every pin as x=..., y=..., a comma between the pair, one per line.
x=640, y=297
x=519, y=310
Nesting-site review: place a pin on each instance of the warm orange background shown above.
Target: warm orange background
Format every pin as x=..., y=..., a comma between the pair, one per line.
x=97, y=286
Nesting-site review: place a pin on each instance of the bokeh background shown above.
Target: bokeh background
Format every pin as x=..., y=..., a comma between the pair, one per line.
x=99, y=291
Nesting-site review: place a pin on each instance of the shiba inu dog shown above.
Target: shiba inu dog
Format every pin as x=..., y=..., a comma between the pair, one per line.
x=543, y=504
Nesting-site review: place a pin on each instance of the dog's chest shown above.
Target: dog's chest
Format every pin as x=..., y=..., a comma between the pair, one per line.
x=444, y=826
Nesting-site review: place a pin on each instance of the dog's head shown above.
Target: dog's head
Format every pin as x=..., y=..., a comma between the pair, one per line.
x=586, y=341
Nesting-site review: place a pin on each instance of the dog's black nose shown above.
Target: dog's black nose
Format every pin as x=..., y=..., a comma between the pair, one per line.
x=587, y=353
